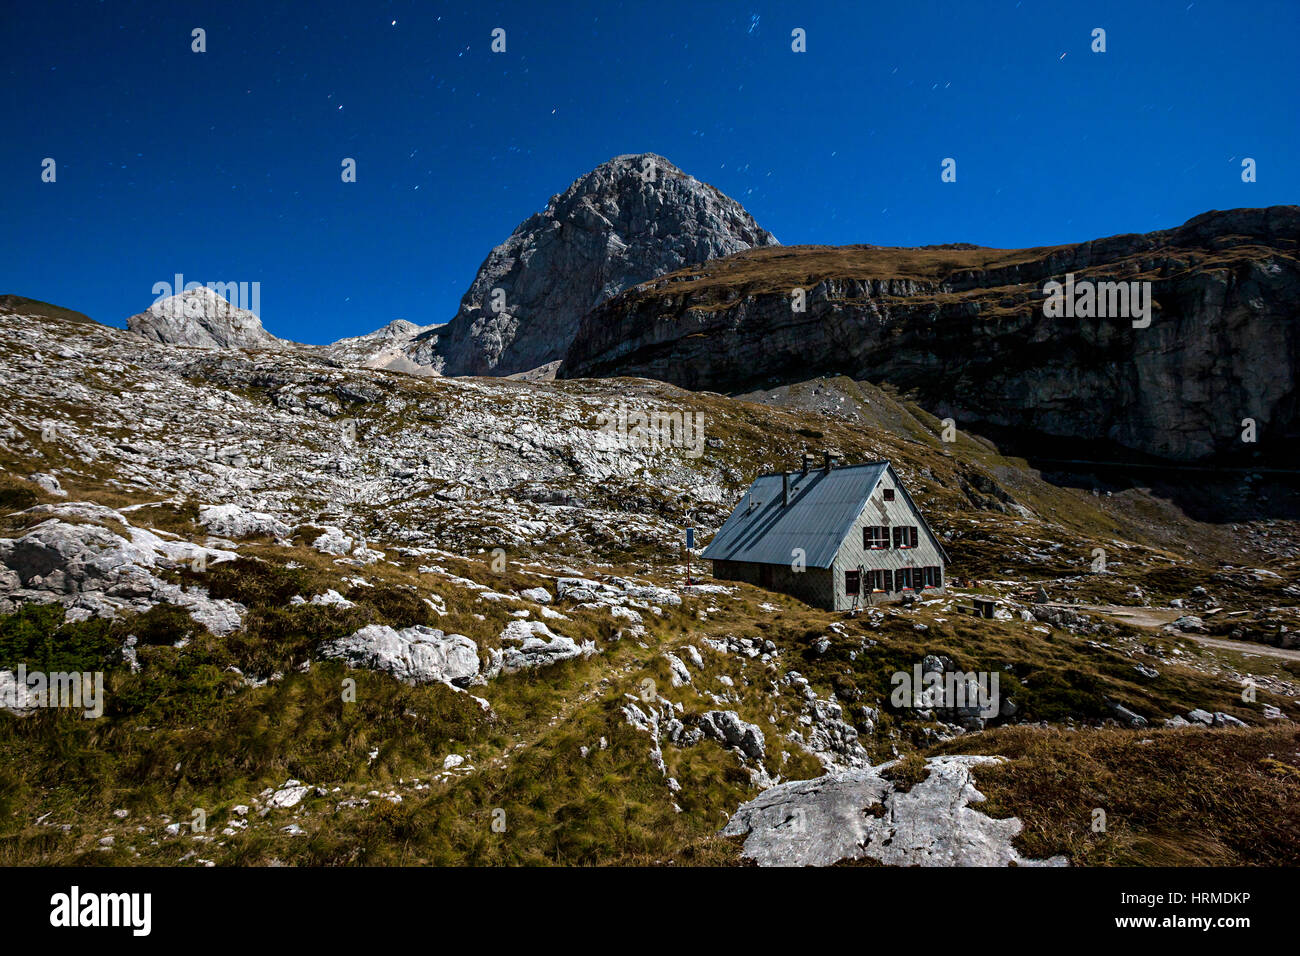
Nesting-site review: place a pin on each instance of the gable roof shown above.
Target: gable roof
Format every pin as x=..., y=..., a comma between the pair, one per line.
x=823, y=507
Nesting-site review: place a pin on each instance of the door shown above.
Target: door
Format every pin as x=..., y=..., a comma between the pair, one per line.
x=853, y=583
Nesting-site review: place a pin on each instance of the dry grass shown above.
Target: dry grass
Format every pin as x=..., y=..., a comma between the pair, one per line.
x=1171, y=797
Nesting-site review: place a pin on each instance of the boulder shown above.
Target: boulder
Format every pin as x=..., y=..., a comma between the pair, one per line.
x=727, y=727
x=538, y=595
x=538, y=646
x=416, y=655
x=333, y=541
x=232, y=521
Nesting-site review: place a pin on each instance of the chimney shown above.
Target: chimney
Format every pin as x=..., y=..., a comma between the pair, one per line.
x=785, y=490
x=830, y=460
x=807, y=463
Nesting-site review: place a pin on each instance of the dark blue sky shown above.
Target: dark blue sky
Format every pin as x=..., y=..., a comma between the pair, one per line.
x=225, y=165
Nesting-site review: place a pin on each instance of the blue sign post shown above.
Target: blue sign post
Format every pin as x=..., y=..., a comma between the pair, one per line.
x=690, y=543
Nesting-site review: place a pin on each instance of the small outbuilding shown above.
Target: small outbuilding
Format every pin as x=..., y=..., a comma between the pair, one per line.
x=836, y=537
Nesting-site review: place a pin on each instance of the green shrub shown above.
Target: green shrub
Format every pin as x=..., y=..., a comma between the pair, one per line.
x=36, y=635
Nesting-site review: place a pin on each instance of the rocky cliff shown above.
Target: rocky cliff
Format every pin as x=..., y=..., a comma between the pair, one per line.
x=965, y=329
x=628, y=220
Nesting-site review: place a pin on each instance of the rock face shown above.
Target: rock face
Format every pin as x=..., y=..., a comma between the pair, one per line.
x=204, y=319
x=418, y=654
x=628, y=220
x=965, y=329
x=858, y=814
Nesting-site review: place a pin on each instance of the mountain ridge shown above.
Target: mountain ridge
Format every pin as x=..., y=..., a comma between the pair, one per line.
x=967, y=332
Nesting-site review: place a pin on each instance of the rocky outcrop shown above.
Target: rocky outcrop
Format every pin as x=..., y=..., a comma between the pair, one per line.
x=726, y=727
x=417, y=655
x=860, y=814
x=204, y=319
x=628, y=220
x=529, y=644
x=965, y=330
x=89, y=559
x=232, y=521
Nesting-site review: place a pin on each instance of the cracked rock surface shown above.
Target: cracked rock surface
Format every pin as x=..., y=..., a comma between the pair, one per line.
x=859, y=813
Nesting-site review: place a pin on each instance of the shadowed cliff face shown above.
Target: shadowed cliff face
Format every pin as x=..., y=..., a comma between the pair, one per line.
x=630, y=219
x=965, y=330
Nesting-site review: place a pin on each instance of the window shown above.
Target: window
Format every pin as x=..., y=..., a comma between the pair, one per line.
x=905, y=536
x=852, y=583
x=909, y=579
x=888, y=493
x=875, y=537
x=876, y=580
x=933, y=577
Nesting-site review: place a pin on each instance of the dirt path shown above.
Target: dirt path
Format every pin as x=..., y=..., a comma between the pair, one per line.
x=1245, y=647
x=1154, y=618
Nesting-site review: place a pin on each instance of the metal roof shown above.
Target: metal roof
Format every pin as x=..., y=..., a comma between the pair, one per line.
x=823, y=507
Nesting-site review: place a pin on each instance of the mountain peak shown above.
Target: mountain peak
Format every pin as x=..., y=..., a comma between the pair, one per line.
x=632, y=218
x=202, y=318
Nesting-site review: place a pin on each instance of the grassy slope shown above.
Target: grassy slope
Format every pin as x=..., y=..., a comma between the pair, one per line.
x=188, y=732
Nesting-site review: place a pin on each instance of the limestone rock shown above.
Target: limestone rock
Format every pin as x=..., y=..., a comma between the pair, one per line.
x=538, y=646
x=858, y=814
x=232, y=521
x=971, y=337
x=628, y=220
x=204, y=319
x=727, y=727
x=382, y=348
x=417, y=654
x=96, y=571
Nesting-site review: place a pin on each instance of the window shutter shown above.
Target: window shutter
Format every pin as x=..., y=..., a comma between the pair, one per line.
x=911, y=535
x=889, y=580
